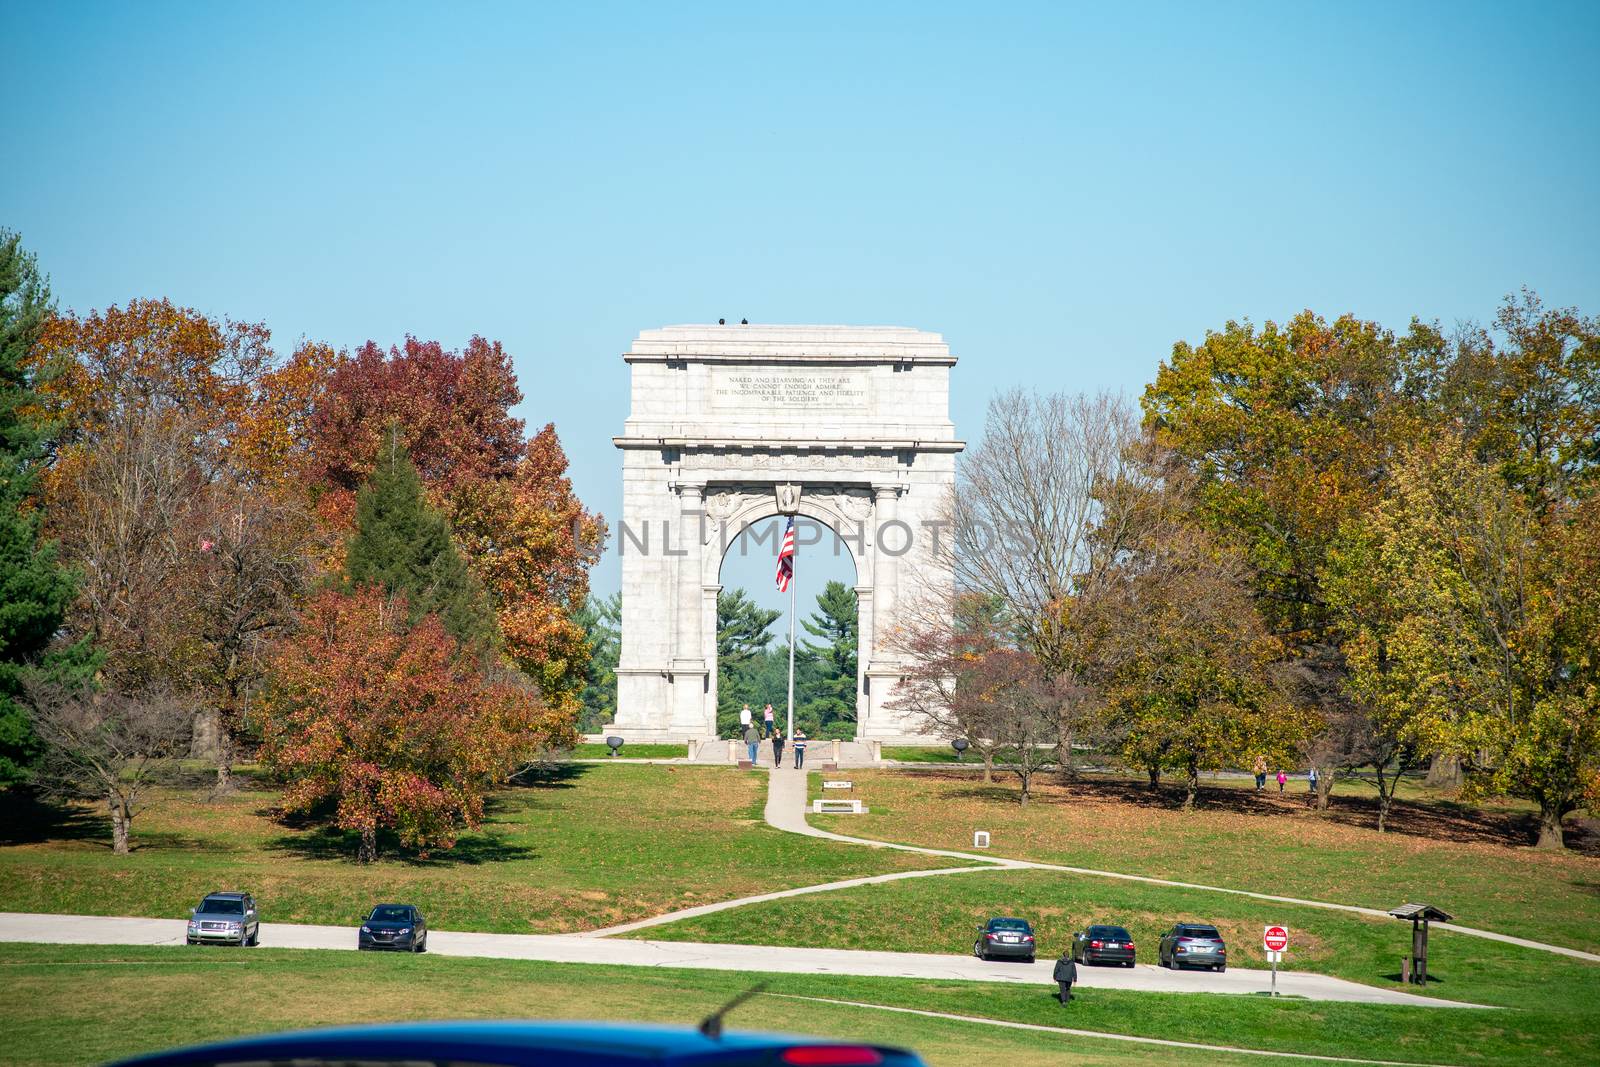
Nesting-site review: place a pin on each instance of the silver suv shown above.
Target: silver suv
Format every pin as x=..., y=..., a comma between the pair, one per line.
x=225, y=919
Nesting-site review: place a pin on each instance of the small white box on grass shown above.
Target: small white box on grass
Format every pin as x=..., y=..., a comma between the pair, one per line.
x=980, y=839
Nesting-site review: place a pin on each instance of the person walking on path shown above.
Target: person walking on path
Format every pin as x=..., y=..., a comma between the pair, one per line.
x=1259, y=769
x=766, y=720
x=1282, y=780
x=1066, y=973
x=744, y=717
x=798, y=743
x=777, y=748
x=752, y=741
x=1311, y=781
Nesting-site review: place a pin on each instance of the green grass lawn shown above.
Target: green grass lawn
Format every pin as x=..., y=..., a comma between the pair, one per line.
x=639, y=750
x=1468, y=861
x=88, y=1004
x=943, y=915
x=593, y=846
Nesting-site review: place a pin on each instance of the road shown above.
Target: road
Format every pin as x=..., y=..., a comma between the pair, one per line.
x=576, y=948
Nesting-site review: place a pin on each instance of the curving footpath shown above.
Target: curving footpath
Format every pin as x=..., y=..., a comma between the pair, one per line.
x=786, y=810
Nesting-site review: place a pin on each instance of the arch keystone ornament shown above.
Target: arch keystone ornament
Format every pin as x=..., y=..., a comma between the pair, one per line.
x=845, y=426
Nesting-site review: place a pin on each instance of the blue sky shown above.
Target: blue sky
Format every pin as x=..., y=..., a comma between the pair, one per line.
x=1062, y=191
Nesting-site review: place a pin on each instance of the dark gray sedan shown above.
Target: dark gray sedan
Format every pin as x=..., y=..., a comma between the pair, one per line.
x=1193, y=945
x=1009, y=938
x=396, y=926
x=1103, y=944
x=224, y=919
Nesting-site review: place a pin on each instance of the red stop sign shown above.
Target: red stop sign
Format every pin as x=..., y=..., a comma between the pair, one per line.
x=1275, y=938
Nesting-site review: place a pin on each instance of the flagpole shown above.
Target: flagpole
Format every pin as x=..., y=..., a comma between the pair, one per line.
x=789, y=729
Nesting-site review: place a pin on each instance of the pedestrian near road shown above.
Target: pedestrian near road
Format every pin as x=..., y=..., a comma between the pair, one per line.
x=777, y=748
x=1259, y=769
x=798, y=743
x=1066, y=974
x=766, y=720
x=752, y=741
x=1311, y=781
x=1283, y=780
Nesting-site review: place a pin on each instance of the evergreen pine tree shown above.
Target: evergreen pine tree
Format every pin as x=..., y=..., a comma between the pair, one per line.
x=34, y=589
x=830, y=689
x=403, y=546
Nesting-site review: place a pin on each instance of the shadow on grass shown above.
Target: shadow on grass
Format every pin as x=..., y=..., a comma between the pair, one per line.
x=1397, y=978
x=331, y=843
x=1441, y=820
x=25, y=819
x=550, y=775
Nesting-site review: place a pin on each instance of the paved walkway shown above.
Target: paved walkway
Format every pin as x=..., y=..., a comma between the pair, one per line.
x=786, y=810
x=575, y=948
x=1099, y=1034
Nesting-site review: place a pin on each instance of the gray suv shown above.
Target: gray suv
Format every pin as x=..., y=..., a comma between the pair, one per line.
x=225, y=919
x=1193, y=945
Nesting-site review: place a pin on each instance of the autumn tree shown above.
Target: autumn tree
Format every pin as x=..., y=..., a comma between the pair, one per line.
x=940, y=646
x=177, y=492
x=531, y=542
x=107, y=746
x=391, y=726
x=1470, y=629
x=35, y=589
x=1189, y=660
x=510, y=504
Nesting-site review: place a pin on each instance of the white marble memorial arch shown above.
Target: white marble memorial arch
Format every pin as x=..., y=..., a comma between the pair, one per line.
x=848, y=426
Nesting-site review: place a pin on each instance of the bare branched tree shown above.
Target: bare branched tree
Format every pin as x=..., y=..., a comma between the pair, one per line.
x=107, y=747
x=252, y=563
x=1031, y=530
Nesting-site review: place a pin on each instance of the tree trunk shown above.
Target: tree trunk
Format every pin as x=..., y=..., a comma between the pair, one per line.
x=121, y=825
x=224, y=784
x=1154, y=771
x=1444, y=772
x=1550, y=834
x=988, y=768
x=1324, y=789
x=1191, y=785
x=369, y=846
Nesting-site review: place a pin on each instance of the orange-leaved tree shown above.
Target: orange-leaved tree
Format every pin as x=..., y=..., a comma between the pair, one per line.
x=393, y=726
x=525, y=535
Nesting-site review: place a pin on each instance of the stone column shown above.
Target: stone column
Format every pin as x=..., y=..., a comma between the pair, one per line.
x=864, y=651
x=690, y=677
x=708, y=617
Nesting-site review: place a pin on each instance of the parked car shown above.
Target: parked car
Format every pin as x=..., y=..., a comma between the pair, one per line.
x=225, y=919
x=527, y=1044
x=1193, y=945
x=1012, y=938
x=397, y=926
x=1103, y=944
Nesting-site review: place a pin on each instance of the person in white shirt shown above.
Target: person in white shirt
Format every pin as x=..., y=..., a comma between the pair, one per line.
x=744, y=718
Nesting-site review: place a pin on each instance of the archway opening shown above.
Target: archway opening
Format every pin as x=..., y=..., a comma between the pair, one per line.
x=750, y=655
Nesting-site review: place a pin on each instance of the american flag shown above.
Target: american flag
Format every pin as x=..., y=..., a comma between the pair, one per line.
x=786, y=558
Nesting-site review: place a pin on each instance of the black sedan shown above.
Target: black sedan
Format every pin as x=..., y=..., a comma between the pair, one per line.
x=1010, y=938
x=1103, y=944
x=397, y=926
